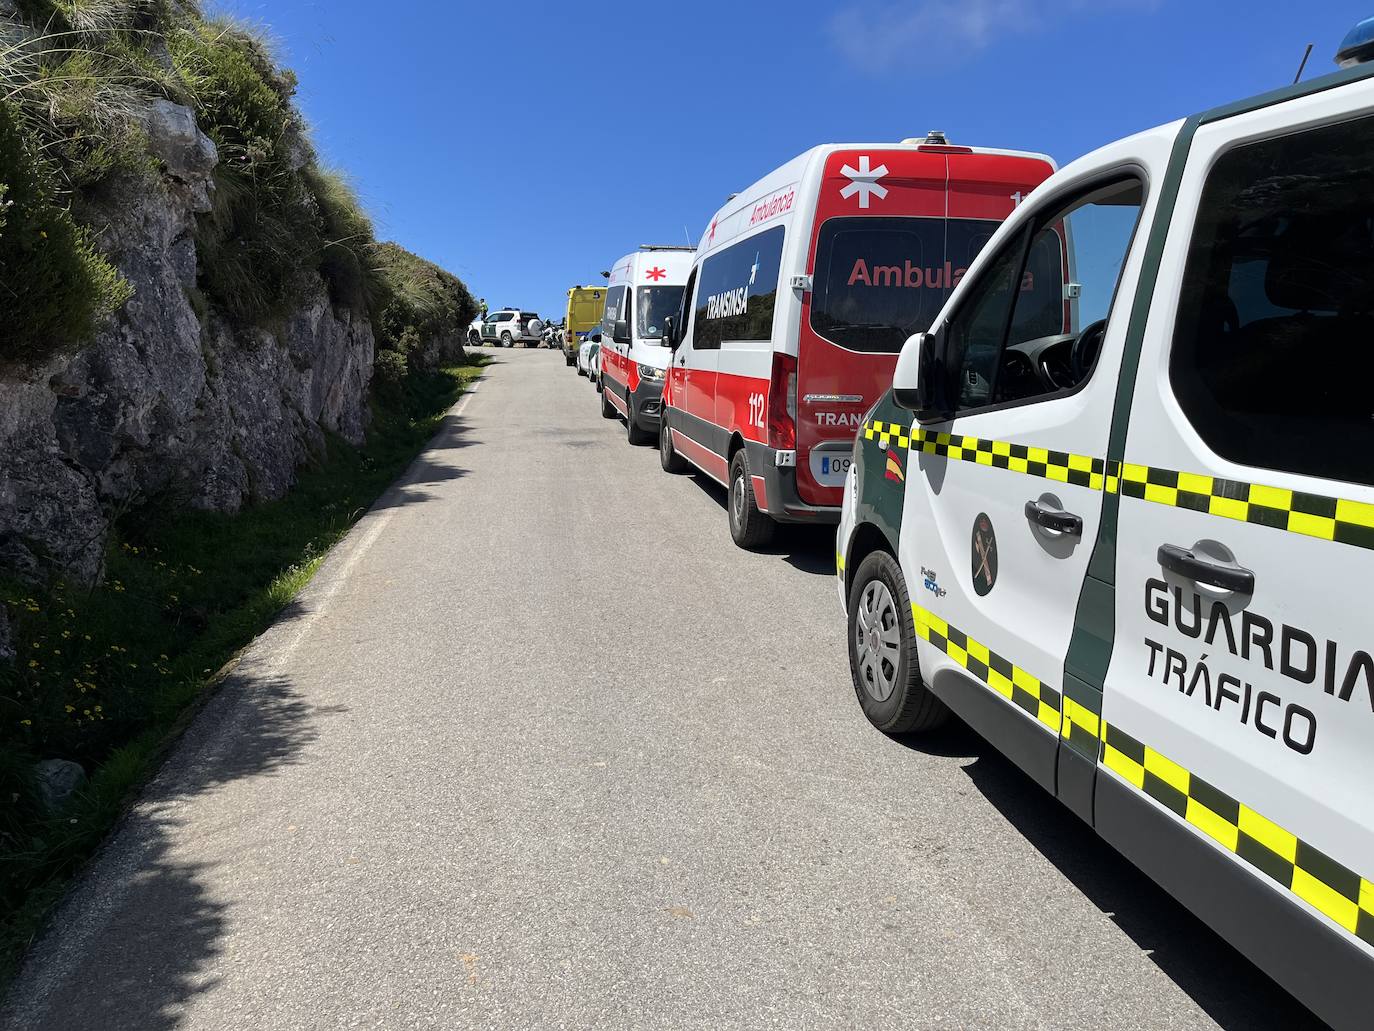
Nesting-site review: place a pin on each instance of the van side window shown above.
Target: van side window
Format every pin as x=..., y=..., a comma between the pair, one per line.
x=1033, y=327
x=684, y=311
x=1273, y=349
x=737, y=290
x=611, y=315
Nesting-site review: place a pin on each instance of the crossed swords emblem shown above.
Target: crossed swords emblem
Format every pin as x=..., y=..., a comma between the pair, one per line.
x=984, y=547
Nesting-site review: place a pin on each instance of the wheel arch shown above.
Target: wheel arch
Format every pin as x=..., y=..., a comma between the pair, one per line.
x=736, y=445
x=865, y=540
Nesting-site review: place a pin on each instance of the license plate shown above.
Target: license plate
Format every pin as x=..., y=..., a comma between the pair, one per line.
x=830, y=469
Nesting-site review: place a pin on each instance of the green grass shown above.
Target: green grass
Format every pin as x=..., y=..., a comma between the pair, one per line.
x=108, y=676
x=53, y=285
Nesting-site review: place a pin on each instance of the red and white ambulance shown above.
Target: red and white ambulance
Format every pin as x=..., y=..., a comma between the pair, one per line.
x=799, y=298
x=644, y=292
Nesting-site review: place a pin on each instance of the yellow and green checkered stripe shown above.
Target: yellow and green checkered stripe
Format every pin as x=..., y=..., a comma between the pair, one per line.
x=1061, y=466
x=1081, y=727
x=887, y=432
x=1311, y=515
x=1034, y=696
x=1330, y=887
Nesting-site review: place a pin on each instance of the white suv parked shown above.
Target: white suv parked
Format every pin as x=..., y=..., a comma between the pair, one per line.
x=510, y=326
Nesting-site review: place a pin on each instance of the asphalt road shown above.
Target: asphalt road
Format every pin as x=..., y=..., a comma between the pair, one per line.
x=540, y=747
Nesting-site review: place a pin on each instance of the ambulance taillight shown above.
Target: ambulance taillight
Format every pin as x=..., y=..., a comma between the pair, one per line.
x=782, y=403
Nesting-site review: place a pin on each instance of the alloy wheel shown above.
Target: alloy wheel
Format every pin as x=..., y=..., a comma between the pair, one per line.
x=877, y=640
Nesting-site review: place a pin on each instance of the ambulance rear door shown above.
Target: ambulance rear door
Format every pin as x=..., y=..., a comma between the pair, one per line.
x=878, y=274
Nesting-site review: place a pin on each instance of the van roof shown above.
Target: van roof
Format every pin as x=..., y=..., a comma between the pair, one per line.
x=1299, y=89
x=666, y=266
x=791, y=172
x=788, y=172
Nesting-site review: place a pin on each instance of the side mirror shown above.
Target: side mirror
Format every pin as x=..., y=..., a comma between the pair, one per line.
x=670, y=331
x=621, y=333
x=595, y=337
x=917, y=382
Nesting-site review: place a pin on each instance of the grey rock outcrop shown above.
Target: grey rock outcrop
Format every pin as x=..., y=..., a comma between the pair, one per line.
x=6, y=641
x=55, y=781
x=175, y=138
x=159, y=404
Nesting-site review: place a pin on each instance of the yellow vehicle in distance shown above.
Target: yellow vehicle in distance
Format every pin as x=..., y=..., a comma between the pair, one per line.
x=586, y=304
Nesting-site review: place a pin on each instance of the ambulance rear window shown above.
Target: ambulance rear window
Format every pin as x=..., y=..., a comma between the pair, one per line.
x=879, y=280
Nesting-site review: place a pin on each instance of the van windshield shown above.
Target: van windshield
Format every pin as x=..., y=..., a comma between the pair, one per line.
x=879, y=280
x=655, y=302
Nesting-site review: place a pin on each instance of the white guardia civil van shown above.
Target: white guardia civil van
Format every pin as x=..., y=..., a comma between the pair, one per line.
x=803, y=289
x=1117, y=513
x=645, y=289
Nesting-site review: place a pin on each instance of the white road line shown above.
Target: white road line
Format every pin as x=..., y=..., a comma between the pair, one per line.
x=326, y=589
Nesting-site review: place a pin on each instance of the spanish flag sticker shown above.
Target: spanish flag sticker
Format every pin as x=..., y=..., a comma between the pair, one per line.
x=894, y=465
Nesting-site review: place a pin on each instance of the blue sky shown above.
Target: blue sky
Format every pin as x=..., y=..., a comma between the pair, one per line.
x=525, y=146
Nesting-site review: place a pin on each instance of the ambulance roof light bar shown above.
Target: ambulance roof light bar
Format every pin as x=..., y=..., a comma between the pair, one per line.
x=936, y=141
x=1358, y=45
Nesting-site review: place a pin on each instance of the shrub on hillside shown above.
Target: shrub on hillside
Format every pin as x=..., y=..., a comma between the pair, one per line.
x=54, y=287
x=277, y=218
x=417, y=294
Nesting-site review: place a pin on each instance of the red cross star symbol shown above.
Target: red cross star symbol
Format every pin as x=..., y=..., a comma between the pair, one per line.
x=712, y=238
x=656, y=273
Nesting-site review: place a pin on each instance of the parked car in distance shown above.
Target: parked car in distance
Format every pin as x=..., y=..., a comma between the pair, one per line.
x=585, y=354
x=511, y=326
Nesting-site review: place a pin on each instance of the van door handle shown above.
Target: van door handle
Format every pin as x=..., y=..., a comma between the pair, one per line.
x=1054, y=519
x=1191, y=566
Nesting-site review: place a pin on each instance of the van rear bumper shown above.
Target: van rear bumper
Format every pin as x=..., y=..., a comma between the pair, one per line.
x=775, y=489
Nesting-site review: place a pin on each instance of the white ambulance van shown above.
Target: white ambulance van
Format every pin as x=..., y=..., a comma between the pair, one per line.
x=803, y=290
x=1117, y=513
x=644, y=291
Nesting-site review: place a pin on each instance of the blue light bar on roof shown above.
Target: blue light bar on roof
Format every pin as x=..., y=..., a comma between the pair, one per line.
x=1358, y=45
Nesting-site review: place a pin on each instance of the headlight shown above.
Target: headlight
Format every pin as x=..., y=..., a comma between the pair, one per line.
x=649, y=372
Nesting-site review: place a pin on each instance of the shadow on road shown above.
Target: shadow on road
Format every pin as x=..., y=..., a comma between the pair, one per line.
x=136, y=941
x=1231, y=990
x=807, y=547
x=432, y=466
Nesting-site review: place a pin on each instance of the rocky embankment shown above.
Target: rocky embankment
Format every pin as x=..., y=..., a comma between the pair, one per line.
x=170, y=401
x=160, y=402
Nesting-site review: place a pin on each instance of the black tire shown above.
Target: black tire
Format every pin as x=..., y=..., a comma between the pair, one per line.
x=635, y=434
x=668, y=457
x=608, y=410
x=749, y=527
x=506, y=340
x=569, y=358
x=474, y=338
x=910, y=707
